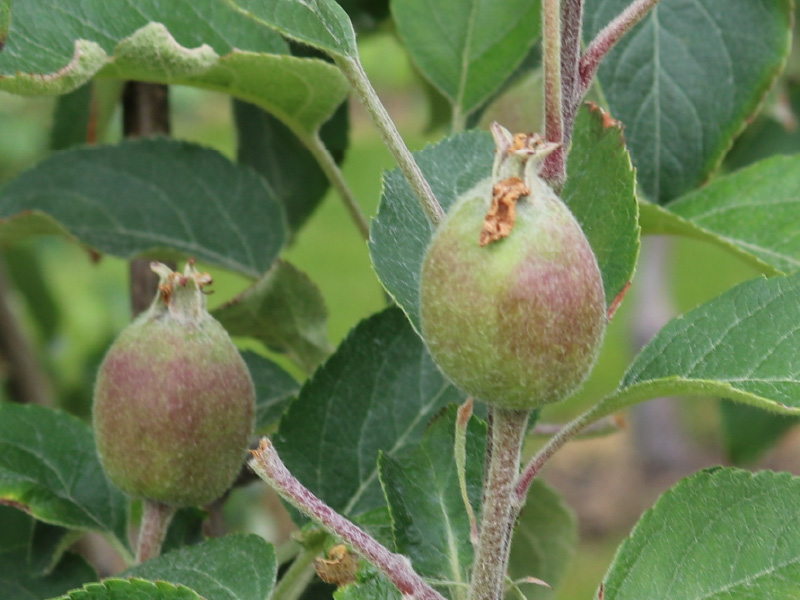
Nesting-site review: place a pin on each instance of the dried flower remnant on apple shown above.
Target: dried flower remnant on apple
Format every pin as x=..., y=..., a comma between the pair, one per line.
x=511, y=296
x=174, y=403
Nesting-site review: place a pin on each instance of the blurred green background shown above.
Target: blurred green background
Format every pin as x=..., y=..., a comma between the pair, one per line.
x=78, y=304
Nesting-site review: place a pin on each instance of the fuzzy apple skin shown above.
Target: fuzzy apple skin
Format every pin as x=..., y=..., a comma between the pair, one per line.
x=518, y=323
x=174, y=410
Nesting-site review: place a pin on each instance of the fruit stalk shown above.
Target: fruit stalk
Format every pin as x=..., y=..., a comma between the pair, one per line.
x=500, y=506
x=156, y=518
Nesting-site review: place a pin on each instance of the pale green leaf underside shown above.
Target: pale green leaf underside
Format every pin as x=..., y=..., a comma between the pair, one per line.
x=686, y=79
x=149, y=195
x=544, y=541
x=204, y=44
x=235, y=567
x=49, y=467
x=131, y=589
x=467, y=49
x=375, y=394
x=430, y=522
x=742, y=345
x=720, y=534
x=285, y=310
x=322, y=24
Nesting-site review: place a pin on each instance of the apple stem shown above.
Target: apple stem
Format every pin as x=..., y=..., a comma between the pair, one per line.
x=156, y=518
x=500, y=505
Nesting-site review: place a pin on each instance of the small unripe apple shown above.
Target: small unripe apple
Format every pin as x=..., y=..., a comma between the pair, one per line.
x=516, y=322
x=174, y=403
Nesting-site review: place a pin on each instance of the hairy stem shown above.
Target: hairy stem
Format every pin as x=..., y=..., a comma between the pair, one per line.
x=268, y=465
x=156, y=518
x=499, y=504
x=571, y=27
x=554, y=170
x=299, y=573
x=569, y=431
x=334, y=174
x=352, y=69
x=608, y=37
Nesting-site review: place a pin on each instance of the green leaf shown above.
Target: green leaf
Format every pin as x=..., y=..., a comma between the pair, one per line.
x=150, y=195
x=235, y=567
x=742, y=345
x=756, y=209
x=285, y=311
x=748, y=432
x=131, y=589
x=659, y=220
x=375, y=394
x=322, y=24
x=544, y=541
x=202, y=43
x=48, y=544
x=601, y=192
x=274, y=389
x=686, y=79
x=18, y=581
x=368, y=586
x=431, y=524
x=278, y=155
x=721, y=533
x=467, y=49
x=71, y=118
x=49, y=467
x=772, y=132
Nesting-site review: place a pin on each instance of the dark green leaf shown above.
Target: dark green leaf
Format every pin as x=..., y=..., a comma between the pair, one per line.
x=375, y=394
x=274, y=389
x=774, y=131
x=748, y=432
x=148, y=195
x=278, y=155
x=467, y=49
x=25, y=270
x=16, y=527
x=285, y=311
x=719, y=534
x=431, y=524
x=756, y=209
x=366, y=15
x=185, y=529
x=686, y=79
x=49, y=467
x=601, y=192
x=48, y=544
x=71, y=118
x=19, y=582
x=131, y=589
x=544, y=541
x=741, y=345
x=322, y=24
x=378, y=523
x=369, y=586
x=235, y=567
